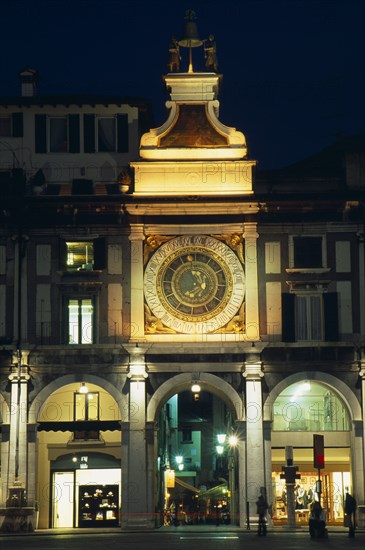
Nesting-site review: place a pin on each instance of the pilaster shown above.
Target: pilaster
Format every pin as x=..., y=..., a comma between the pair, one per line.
x=252, y=297
x=136, y=238
x=135, y=506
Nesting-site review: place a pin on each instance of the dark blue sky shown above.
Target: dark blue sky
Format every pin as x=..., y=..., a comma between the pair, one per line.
x=293, y=70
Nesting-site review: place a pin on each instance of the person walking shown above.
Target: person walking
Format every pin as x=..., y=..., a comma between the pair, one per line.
x=262, y=507
x=350, y=509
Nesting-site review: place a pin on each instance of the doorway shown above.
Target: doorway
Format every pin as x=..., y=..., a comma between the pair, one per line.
x=63, y=499
x=198, y=460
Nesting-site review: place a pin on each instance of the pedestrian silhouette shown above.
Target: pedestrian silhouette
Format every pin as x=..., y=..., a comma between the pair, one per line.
x=317, y=521
x=350, y=509
x=262, y=507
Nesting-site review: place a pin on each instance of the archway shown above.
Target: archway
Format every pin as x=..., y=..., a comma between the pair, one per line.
x=78, y=444
x=300, y=406
x=198, y=475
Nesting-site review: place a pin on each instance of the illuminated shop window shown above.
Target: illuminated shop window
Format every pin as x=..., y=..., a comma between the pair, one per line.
x=80, y=256
x=311, y=407
x=80, y=320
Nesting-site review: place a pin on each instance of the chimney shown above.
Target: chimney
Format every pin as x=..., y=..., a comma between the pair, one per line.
x=29, y=79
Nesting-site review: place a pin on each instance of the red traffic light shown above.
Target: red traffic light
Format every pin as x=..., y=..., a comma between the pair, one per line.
x=318, y=451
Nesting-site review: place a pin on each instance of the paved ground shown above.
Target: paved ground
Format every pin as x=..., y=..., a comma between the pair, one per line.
x=180, y=538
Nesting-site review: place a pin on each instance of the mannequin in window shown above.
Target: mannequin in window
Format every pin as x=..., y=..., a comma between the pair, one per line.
x=300, y=494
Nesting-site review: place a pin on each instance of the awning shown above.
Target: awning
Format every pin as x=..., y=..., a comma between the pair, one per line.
x=215, y=492
x=186, y=485
x=90, y=425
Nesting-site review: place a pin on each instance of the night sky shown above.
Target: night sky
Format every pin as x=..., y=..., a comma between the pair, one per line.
x=293, y=70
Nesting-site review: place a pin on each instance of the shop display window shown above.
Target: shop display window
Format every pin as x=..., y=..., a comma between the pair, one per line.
x=333, y=490
x=98, y=505
x=309, y=406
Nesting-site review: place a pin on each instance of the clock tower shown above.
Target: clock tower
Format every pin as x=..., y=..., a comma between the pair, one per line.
x=193, y=183
x=194, y=285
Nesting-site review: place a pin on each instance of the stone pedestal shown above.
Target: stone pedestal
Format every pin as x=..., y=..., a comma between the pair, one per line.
x=17, y=519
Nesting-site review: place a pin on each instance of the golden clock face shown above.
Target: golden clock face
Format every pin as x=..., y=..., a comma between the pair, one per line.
x=194, y=284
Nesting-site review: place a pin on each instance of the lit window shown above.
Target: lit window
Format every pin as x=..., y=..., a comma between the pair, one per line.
x=86, y=406
x=80, y=256
x=106, y=134
x=80, y=321
x=5, y=126
x=58, y=142
x=311, y=407
x=308, y=317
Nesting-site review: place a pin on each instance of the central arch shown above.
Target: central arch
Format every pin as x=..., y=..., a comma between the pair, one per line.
x=213, y=486
x=209, y=382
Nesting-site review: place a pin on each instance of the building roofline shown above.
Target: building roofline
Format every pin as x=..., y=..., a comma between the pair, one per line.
x=74, y=99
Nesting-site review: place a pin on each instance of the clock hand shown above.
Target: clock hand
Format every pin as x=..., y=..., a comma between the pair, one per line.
x=201, y=279
x=198, y=290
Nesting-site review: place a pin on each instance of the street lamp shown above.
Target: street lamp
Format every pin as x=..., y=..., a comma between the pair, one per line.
x=221, y=438
x=83, y=388
x=179, y=461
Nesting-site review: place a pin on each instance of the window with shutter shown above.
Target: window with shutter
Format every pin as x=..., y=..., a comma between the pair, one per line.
x=74, y=133
x=123, y=134
x=58, y=135
x=308, y=317
x=89, y=133
x=106, y=135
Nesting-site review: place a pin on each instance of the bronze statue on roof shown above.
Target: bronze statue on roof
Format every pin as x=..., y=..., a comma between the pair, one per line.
x=174, y=56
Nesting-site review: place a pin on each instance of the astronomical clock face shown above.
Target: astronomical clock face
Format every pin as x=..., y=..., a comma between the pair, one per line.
x=194, y=284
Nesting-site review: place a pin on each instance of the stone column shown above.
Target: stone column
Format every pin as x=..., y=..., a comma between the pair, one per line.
x=136, y=510
x=14, y=421
x=252, y=296
x=19, y=378
x=18, y=514
x=137, y=295
x=255, y=466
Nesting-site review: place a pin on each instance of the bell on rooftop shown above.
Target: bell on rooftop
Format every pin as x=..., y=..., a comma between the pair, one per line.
x=190, y=38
